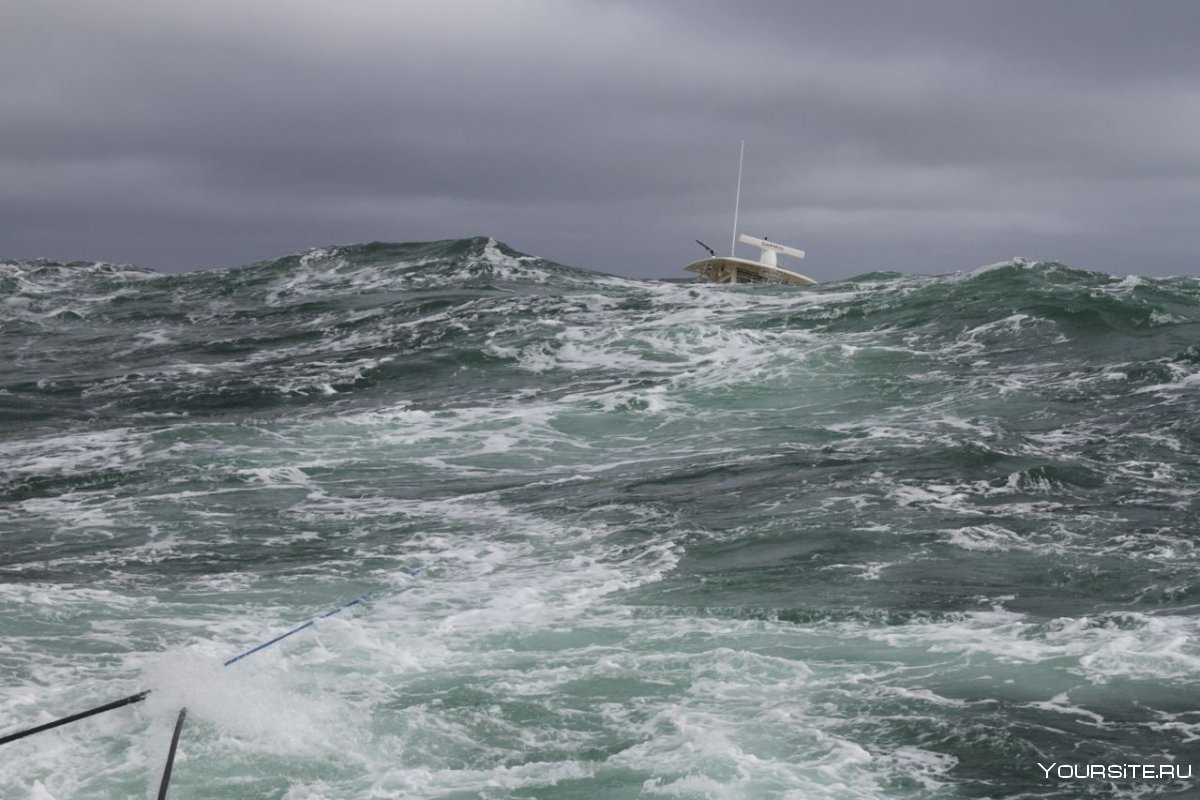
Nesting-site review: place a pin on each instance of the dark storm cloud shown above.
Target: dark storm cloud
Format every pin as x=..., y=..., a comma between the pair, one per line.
x=917, y=136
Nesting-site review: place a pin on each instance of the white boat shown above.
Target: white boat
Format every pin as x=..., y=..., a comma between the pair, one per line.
x=731, y=269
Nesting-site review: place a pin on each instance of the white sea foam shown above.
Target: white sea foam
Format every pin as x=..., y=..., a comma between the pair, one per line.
x=986, y=537
x=541, y=647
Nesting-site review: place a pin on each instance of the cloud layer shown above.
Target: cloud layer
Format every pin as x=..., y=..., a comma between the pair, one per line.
x=916, y=136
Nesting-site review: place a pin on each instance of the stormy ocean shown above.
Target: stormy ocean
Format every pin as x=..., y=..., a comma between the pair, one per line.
x=890, y=537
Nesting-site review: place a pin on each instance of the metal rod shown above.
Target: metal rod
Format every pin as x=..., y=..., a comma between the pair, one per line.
x=738, y=200
x=124, y=701
x=166, y=778
x=140, y=696
x=296, y=629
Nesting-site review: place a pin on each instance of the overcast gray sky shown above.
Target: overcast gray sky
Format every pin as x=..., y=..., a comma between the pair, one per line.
x=913, y=136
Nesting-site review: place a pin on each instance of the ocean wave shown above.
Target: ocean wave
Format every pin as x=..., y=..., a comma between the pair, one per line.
x=892, y=536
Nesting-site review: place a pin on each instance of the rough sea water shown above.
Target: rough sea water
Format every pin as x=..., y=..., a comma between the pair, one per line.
x=890, y=537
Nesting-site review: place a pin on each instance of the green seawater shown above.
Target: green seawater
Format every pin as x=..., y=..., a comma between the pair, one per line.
x=890, y=537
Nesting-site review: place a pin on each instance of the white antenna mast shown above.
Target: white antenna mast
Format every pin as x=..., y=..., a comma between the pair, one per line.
x=738, y=200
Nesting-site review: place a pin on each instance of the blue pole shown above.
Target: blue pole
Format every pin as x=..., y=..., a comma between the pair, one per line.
x=296, y=629
x=313, y=621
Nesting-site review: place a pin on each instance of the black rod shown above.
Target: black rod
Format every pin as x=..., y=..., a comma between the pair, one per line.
x=166, y=779
x=125, y=701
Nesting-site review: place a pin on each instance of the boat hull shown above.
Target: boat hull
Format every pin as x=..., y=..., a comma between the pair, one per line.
x=741, y=270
